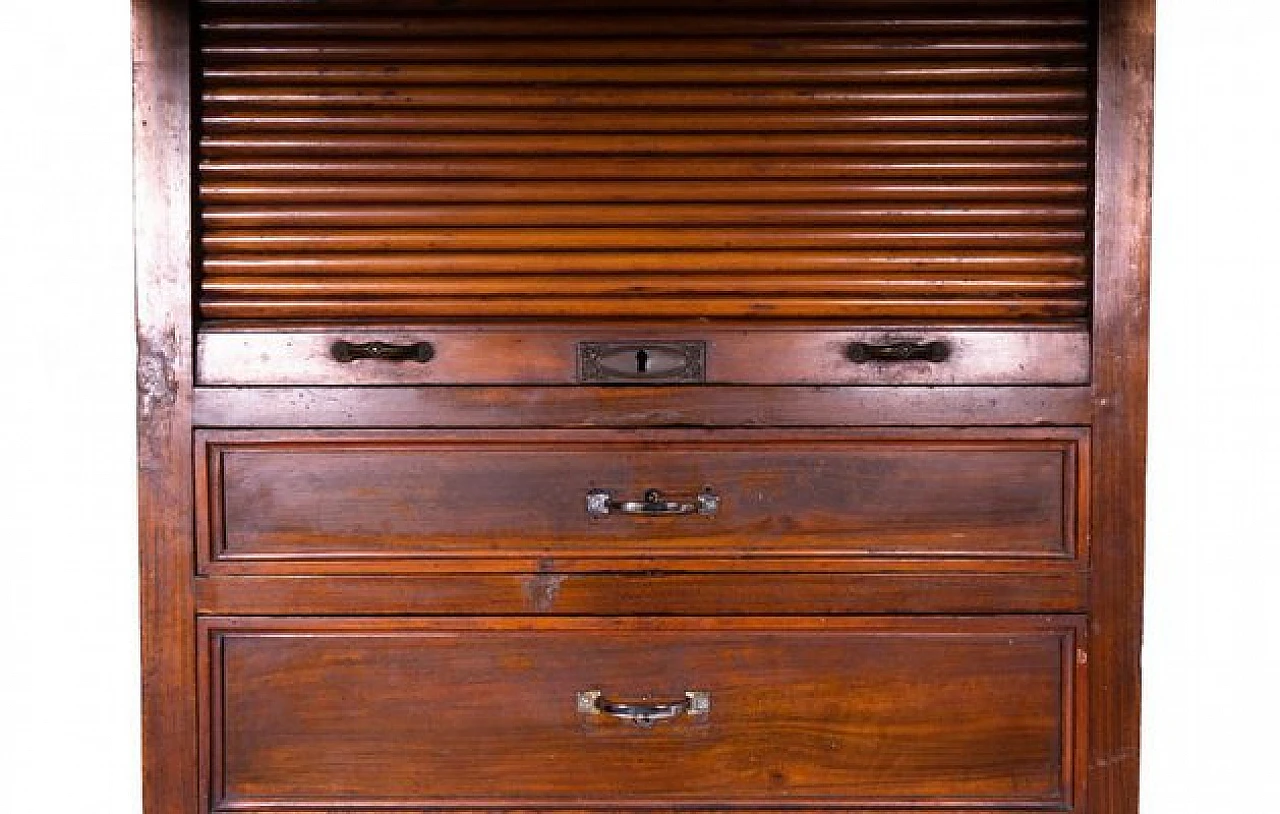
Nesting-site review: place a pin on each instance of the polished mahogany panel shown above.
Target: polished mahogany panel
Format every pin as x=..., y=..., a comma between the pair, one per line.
x=896, y=160
x=522, y=499
x=407, y=713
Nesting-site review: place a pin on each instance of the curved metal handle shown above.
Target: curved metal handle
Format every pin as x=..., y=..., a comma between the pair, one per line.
x=861, y=352
x=600, y=503
x=645, y=713
x=344, y=351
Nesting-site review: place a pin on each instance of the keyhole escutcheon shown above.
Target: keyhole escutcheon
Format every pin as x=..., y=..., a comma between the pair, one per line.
x=642, y=361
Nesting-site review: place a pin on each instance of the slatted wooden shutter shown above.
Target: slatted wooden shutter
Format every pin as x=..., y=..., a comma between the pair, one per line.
x=888, y=160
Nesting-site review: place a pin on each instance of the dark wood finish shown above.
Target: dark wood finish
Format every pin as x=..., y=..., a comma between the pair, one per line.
x=654, y=592
x=640, y=406
x=535, y=355
x=517, y=499
x=815, y=173
x=417, y=713
x=162, y=226
x=360, y=166
x=1126, y=65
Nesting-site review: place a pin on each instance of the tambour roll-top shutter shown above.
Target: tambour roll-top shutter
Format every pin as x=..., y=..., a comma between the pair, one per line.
x=891, y=160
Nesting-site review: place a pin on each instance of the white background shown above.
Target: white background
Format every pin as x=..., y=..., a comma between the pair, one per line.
x=69, y=652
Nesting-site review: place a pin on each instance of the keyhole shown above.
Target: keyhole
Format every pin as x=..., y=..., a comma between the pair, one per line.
x=642, y=361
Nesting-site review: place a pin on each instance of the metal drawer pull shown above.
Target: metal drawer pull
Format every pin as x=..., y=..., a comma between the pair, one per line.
x=600, y=503
x=645, y=713
x=350, y=351
x=861, y=352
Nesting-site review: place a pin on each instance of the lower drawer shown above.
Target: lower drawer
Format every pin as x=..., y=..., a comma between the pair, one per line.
x=375, y=714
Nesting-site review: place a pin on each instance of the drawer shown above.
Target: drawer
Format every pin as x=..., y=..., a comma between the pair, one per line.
x=970, y=713
x=522, y=500
x=538, y=355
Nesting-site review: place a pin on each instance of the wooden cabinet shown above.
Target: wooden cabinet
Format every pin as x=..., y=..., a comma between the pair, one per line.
x=642, y=405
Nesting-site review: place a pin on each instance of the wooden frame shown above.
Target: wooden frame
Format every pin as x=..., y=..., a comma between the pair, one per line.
x=169, y=406
x=1122, y=228
x=162, y=236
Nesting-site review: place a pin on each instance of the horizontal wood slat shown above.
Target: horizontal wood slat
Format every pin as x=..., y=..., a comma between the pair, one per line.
x=901, y=159
x=614, y=96
x=928, y=146
x=538, y=192
x=624, y=168
x=804, y=213
x=598, y=24
x=996, y=130
x=672, y=306
x=687, y=73
x=513, y=285
x=630, y=6
x=633, y=238
x=652, y=262
x=663, y=49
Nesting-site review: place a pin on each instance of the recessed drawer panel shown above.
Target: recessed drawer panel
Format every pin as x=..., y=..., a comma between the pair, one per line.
x=610, y=713
x=608, y=355
x=546, y=500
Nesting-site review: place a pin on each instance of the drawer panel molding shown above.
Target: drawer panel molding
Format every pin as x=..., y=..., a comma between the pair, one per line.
x=404, y=713
x=540, y=500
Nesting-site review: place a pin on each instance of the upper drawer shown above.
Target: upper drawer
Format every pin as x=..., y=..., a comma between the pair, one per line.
x=603, y=354
x=517, y=714
x=297, y=501
x=912, y=160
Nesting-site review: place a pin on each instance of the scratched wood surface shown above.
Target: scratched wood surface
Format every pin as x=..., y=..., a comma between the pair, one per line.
x=292, y=501
x=924, y=591
x=411, y=713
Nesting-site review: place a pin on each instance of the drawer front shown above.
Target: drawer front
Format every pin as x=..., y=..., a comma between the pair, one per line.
x=677, y=499
x=535, y=355
x=608, y=713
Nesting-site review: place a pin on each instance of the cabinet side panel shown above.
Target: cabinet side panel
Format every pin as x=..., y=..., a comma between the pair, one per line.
x=1123, y=229
x=162, y=213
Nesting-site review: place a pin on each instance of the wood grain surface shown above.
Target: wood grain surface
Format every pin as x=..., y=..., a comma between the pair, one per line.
x=359, y=162
x=162, y=187
x=462, y=406
x=422, y=713
x=517, y=497
x=372, y=586
x=1122, y=292
x=549, y=354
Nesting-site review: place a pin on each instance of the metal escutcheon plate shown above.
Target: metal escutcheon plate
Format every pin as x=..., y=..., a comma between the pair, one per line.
x=642, y=362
